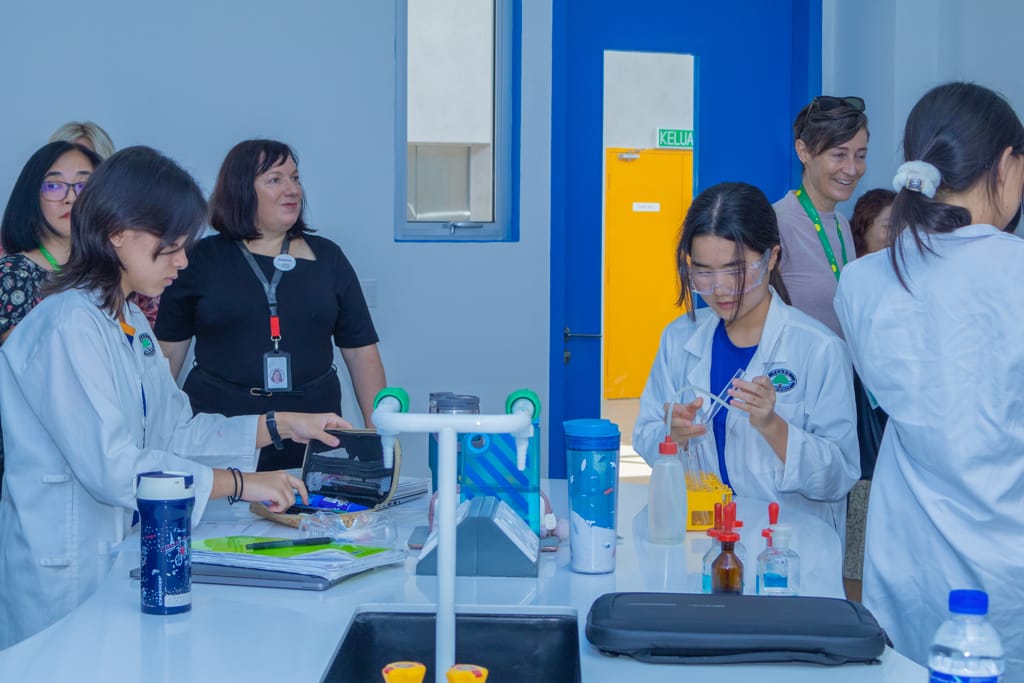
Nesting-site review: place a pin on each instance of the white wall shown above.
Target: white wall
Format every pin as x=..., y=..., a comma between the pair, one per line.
x=194, y=77
x=891, y=52
x=644, y=91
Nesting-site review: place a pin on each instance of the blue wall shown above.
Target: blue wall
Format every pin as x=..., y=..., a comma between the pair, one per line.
x=757, y=64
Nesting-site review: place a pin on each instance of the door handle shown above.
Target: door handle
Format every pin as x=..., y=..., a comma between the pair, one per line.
x=569, y=333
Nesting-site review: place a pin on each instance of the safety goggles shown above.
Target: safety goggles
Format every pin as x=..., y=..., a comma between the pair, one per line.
x=729, y=281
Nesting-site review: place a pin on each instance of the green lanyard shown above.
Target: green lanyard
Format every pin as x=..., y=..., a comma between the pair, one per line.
x=49, y=257
x=812, y=213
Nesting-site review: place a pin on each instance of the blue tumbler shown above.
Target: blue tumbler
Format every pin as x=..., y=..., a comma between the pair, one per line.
x=165, y=501
x=592, y=453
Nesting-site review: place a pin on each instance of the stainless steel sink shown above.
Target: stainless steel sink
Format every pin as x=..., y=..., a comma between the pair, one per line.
x=526, y=648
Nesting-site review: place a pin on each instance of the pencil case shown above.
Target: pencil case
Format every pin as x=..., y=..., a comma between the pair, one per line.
x=353, y=470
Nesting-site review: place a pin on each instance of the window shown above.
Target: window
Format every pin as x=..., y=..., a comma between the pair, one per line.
x=455, y=95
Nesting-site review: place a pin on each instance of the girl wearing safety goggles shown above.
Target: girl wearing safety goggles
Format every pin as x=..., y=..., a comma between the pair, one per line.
x=788, y=430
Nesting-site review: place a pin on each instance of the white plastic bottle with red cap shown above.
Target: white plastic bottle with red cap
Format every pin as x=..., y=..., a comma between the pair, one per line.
x=666, y=496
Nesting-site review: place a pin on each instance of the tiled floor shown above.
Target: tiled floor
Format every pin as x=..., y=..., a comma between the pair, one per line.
x=623, y=412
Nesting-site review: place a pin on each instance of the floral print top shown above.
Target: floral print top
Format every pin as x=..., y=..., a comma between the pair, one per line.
x=20, y=282
x=149, y=305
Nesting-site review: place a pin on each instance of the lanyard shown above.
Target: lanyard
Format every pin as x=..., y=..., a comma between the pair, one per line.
x=269, y=288
x=49, y=257
x=812, y=213
x=129, y=333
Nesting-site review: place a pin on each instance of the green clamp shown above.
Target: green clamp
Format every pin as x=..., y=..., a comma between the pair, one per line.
x=523, y=394
x=397, y=393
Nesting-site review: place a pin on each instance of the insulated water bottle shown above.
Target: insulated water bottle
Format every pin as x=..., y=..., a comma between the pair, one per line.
x=165, y=501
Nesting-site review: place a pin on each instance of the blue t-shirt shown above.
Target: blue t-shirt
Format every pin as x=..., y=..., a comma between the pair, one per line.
x=726, y=359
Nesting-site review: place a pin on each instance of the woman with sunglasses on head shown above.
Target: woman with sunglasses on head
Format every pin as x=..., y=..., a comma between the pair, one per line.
x=831, y=140
x=266, y=294
x=789, y=432
x=925, y=320
x=88, y=401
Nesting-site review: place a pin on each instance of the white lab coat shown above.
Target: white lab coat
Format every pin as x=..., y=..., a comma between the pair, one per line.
x=71, y=391
x=946, y=362
x=822, y=456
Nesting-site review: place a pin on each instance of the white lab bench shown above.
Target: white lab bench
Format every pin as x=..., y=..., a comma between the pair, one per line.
x=259, y=634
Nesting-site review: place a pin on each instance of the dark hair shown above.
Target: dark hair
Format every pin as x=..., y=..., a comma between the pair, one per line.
x=135, y=189
x=865, y=211
x=822, y=129
x=738, y=212
x=23, y=226
x=233, y=203
x=962, y=129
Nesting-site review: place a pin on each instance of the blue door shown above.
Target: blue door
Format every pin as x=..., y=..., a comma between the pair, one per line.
x=757, y=64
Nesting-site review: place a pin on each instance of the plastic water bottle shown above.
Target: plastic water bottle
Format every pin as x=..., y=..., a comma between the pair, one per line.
x=666, y=496
x=966, y=649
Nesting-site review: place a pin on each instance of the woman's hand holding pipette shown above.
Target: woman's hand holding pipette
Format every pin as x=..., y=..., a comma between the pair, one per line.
x=682, y=428
x=757, y=399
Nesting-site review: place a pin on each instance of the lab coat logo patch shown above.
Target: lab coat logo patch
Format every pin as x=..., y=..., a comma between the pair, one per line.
x=148, y=349
x=783, y=380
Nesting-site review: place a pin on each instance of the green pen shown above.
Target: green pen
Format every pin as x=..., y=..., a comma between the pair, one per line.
x=268, y=545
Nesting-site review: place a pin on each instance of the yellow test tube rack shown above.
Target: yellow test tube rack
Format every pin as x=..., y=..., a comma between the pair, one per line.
x=703, y=490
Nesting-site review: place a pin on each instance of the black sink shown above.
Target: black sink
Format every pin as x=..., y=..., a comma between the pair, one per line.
x=515, y=648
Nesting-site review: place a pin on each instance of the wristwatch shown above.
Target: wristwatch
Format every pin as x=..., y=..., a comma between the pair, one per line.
x=275, y=435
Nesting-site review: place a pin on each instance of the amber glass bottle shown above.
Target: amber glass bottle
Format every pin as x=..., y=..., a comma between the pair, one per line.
x=727, y=569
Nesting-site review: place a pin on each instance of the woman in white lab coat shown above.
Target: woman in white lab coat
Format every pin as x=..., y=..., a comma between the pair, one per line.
x=87, y=400
x=935, y=325
x=790, y=431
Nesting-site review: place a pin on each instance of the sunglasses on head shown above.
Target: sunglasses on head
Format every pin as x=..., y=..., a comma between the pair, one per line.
x=828, y=103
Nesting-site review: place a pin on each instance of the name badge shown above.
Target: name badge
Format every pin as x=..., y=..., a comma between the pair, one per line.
x=284, y=262
x=277, y=371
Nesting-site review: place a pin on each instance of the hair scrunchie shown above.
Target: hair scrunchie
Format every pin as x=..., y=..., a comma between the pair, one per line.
x=917, y=176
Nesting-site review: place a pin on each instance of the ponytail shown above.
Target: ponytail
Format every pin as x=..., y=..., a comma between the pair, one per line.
x=958, y=131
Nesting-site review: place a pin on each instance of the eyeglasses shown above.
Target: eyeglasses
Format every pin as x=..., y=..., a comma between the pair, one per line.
x=57, y=190
x=727, y=280
x=828, y=103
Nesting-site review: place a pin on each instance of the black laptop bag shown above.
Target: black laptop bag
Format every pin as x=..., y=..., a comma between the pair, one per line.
x=680, y=628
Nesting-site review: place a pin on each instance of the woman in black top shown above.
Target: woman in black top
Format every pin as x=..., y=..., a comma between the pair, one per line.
x=248, y=360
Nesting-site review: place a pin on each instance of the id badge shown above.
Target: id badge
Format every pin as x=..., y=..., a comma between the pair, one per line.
x=277, y=371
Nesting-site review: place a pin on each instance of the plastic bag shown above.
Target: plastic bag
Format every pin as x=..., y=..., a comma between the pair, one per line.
x=364, y=528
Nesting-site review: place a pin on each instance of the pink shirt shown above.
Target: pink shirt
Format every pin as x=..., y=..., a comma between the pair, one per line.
x=805, y=268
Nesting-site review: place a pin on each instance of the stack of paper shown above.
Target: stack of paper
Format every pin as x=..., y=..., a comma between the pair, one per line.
x=330, y=562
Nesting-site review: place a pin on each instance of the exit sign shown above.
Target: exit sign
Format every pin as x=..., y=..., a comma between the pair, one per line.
x=675, y=138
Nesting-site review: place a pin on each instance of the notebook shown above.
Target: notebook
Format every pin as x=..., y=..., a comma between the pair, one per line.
x=259, y=578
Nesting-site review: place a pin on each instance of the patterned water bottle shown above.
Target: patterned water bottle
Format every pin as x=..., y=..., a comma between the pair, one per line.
x=165, y=501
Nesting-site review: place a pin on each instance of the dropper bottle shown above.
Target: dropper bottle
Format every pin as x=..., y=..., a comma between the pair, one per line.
x=727, y=569
x=713, y=551
x=762, y=558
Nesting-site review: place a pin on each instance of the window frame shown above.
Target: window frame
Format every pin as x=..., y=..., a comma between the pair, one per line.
x=505, y=142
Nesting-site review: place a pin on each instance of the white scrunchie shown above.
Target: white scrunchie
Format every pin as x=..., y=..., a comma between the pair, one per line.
x=917, y=176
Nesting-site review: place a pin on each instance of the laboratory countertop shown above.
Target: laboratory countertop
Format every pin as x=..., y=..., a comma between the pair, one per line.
x=261, y=634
